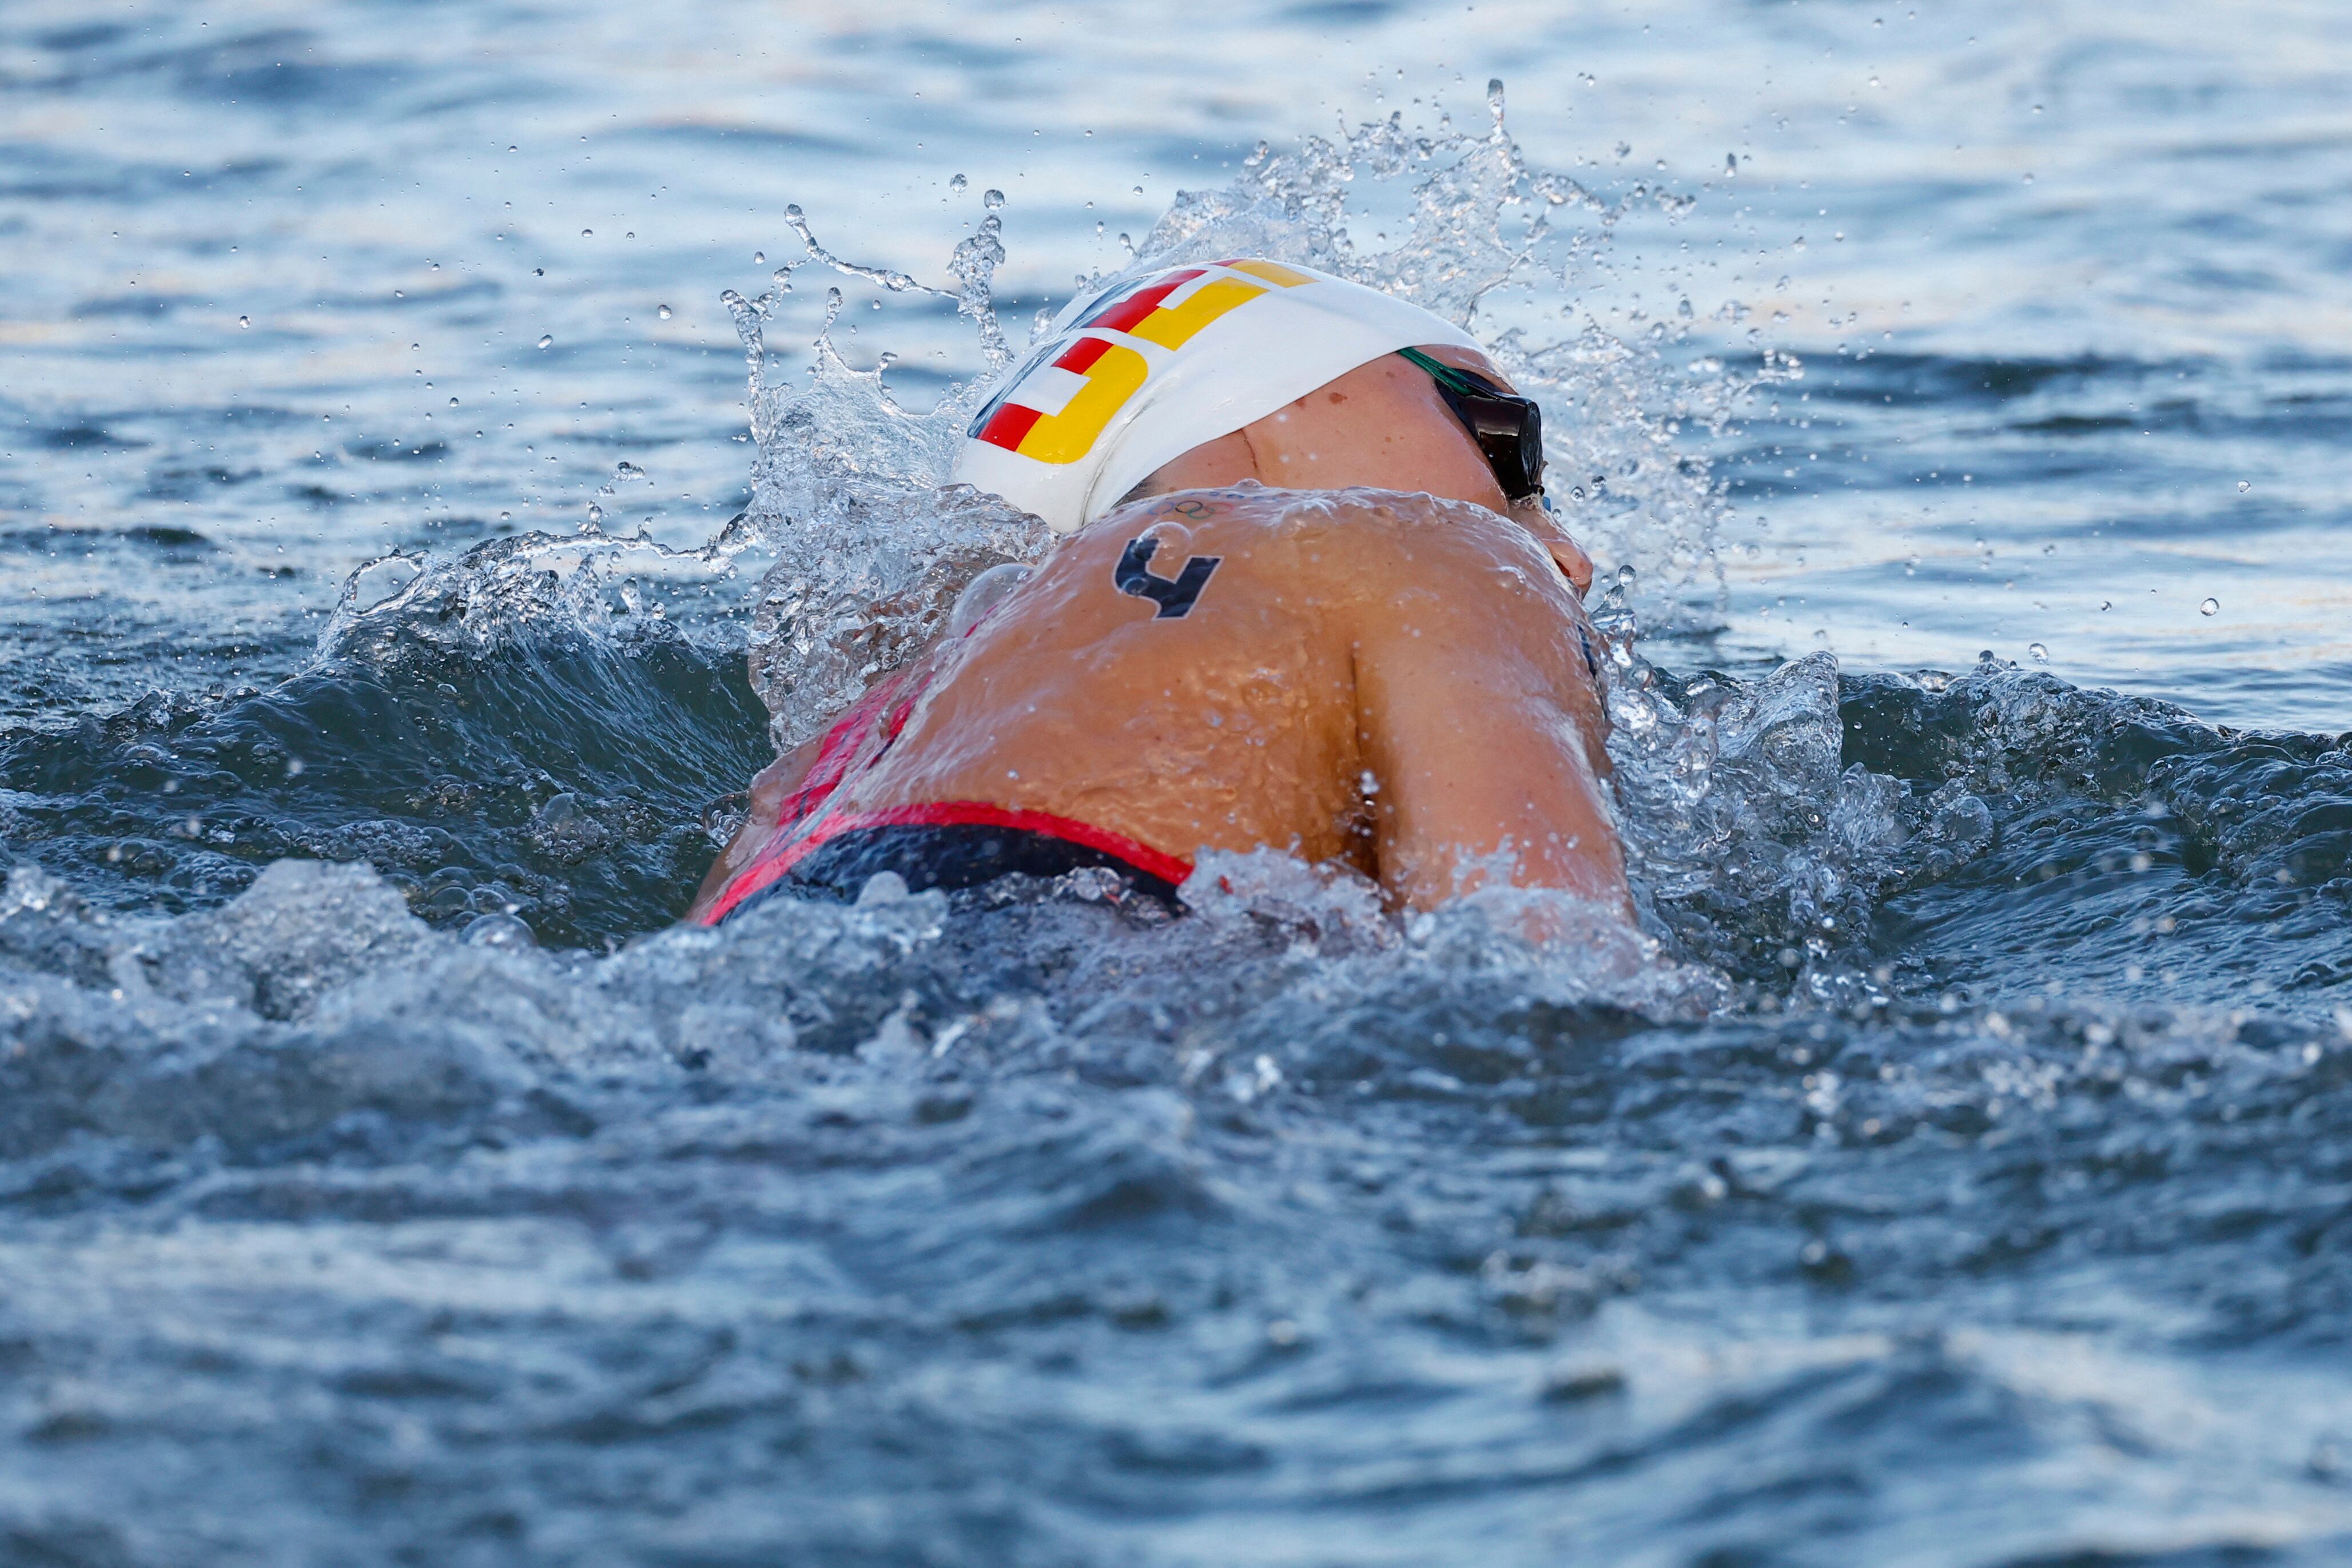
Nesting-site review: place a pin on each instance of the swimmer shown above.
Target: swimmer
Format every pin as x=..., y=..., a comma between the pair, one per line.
x=1307, y=597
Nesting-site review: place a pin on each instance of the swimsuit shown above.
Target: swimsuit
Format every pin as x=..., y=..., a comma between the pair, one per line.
x=948, y=845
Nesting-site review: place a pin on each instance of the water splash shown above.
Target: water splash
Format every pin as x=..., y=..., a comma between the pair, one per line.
x=850, y=490
x=850, y=486
x=1752, y=845
x=504, y=591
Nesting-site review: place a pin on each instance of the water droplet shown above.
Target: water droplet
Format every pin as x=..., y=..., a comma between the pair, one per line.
x=595, y=513
x=2106, y=604
x=2210, y=607
x=587, y=234
x=245, y=320
x=506, y=516
x=958, y=185
x=665, y=313
x=992, y=199
x=547, y=341
x=453, y=403
x=539, y=272
x=498, y=930
x=2037, y=652
x=2245, y=485
x=758, y=259
x=400, y=293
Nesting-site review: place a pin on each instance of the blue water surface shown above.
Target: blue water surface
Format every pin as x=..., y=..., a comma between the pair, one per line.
x=1984, y=1199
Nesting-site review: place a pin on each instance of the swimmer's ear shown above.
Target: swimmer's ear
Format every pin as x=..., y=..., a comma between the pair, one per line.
x=1572, y=561
x=1574, y=564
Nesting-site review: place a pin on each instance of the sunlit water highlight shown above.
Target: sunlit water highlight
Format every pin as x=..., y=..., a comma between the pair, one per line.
x=1966, y=1183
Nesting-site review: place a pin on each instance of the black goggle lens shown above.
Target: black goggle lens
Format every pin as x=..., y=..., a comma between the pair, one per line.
x=1508, y=428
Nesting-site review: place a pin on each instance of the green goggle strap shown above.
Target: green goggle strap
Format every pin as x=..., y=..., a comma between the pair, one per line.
x=1446, y=375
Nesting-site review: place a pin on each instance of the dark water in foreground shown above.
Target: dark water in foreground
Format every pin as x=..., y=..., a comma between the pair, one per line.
x=2013, y=1226
x=1971, y=1186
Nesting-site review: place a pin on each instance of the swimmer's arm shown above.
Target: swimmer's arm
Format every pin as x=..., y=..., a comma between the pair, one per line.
x=770, y=789
x=1477, y=717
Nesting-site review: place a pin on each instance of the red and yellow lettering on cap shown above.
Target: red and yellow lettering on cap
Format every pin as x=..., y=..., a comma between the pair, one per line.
x=1054, y=411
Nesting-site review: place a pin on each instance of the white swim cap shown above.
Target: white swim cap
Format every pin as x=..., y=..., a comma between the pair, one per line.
x=1149, y=370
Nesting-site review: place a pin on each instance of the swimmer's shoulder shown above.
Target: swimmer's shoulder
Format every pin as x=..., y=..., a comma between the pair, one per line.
x=1236, y=509
x=1244, y=518
x=1372, y=547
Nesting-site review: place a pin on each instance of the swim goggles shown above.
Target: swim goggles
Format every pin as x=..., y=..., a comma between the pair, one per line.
x=1508, y=428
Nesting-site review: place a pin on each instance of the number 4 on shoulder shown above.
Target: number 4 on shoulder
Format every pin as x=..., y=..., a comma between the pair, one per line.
x=1176, y=596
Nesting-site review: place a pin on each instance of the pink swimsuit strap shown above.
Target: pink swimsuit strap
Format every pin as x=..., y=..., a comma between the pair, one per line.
x=839, y=748
x=777, y=863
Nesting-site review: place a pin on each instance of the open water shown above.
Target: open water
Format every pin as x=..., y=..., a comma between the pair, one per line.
x=409, y=423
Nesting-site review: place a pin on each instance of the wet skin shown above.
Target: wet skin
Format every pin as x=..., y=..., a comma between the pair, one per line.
x=1393, y=675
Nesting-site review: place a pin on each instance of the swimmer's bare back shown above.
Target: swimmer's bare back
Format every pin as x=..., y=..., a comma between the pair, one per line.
x=1390, y=680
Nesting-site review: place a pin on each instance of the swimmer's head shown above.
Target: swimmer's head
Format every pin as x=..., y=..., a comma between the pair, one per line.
x=1385, y=425
x=1154, y=368
x=1206, y=376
